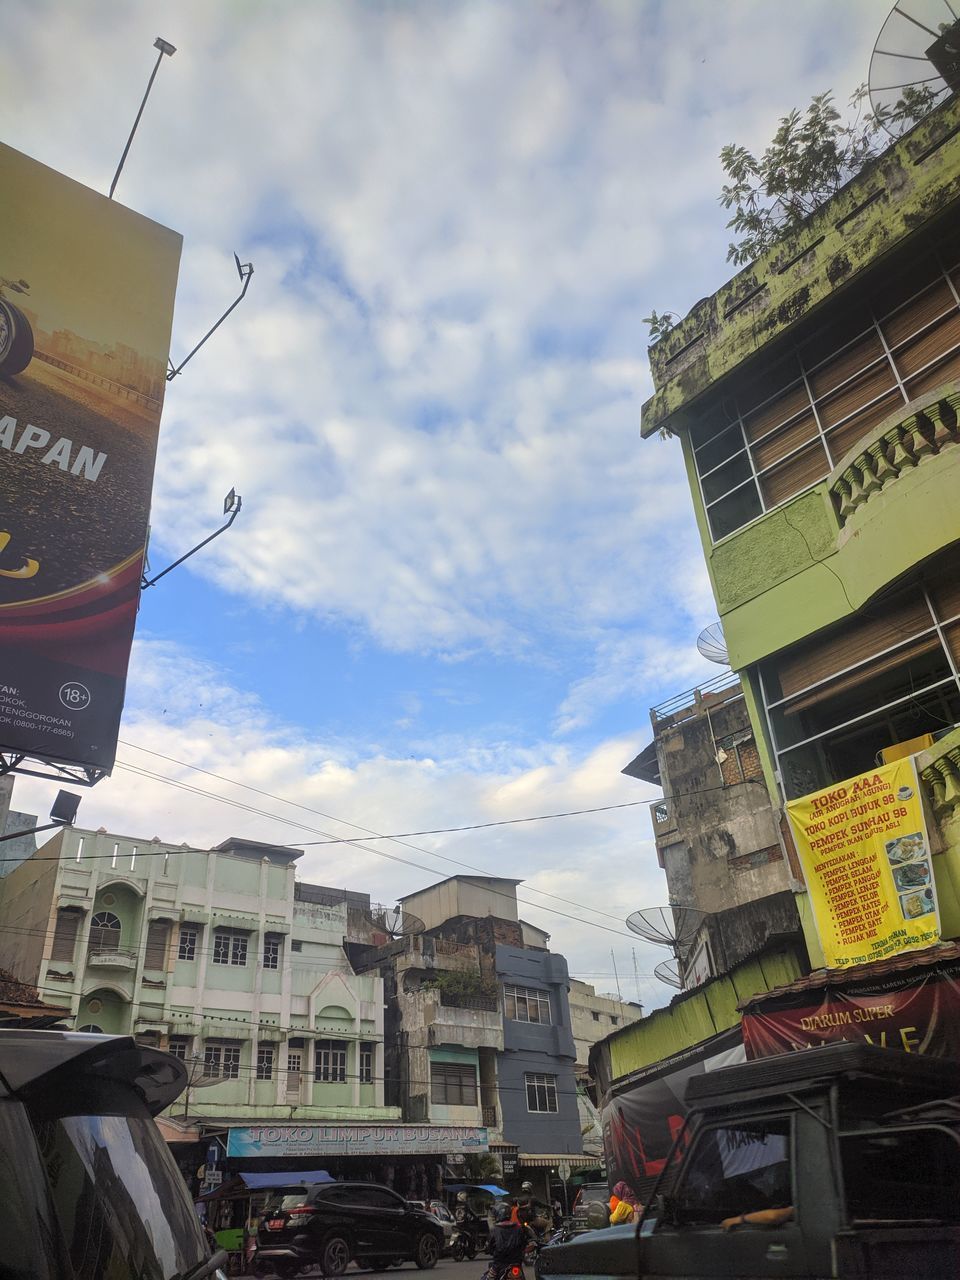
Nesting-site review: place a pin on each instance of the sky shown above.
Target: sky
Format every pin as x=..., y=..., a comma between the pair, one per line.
x=459, y=580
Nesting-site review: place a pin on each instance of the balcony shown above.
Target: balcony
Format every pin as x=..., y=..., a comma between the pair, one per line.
x=893, y=451
x=438, y=955
x=662, y=818
x=434, y=1018
x=693, y=702
x=118, y=958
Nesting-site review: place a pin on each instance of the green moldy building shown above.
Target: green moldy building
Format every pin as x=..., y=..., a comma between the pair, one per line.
x=816, y=397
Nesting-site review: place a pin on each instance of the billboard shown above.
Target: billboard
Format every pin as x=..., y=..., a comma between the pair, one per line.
x=86, y=305
x=915, y=1010
x=355, y=1140
x=866, y=861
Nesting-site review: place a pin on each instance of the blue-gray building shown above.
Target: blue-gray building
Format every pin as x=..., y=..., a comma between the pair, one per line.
x=535, y=1076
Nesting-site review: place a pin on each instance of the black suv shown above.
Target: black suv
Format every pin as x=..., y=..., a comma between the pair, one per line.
x=334, y=1223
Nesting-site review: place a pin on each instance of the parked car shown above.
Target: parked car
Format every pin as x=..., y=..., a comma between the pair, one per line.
x=590, y=1193
x=441, y=1213
x=89, y=1187
x=334, y=1224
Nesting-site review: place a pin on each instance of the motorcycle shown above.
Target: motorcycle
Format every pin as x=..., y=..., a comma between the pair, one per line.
x=463, y=1244
x=16, y=335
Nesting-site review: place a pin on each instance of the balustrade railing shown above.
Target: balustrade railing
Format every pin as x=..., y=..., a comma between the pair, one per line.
x=927, y=431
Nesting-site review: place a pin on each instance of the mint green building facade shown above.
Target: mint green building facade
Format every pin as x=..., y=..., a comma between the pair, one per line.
x=219, y=956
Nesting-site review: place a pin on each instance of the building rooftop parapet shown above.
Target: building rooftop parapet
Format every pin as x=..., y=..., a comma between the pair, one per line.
x=909, y=185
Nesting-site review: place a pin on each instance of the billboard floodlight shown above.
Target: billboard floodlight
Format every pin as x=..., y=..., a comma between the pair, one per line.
x=168, y=50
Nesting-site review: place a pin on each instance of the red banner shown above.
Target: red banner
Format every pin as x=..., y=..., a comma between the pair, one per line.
x=912, y=1011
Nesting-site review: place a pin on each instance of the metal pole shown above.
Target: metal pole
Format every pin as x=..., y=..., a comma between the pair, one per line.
x=164, y=47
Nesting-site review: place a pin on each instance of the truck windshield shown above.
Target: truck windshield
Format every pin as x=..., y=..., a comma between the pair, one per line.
x=736, y=1169
x=121, y=1203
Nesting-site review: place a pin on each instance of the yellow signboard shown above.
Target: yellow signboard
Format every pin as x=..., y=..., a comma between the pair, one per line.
x=866, y=860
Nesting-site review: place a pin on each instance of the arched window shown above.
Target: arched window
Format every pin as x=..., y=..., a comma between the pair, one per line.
x=93, y=1028
x=104, y=932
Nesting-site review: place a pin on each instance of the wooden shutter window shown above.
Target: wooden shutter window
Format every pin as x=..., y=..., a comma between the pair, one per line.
x=65, y=935
x=155, y=956
x=831, y=655
x=800, y=471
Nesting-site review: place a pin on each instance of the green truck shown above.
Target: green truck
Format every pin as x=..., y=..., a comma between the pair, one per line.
x=841, y=1161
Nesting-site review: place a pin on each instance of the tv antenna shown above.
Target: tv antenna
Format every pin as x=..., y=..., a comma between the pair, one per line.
x=673, y=927
x=915, y=63
x=394, y=922
x=668, y=971
x=713, y=645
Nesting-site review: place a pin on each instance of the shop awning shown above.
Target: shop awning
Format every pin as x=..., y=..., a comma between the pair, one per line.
x=239, y=1185
x=260, y=1181
x=475, y=1186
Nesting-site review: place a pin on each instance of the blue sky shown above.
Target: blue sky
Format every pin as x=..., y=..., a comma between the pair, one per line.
x=459, y=580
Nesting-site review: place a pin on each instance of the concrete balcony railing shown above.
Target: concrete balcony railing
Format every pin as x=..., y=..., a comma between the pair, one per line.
x=891, y=450
x=438, y=955
x=430, y=1020
x=116, y=959
x=940, y=770
x=662, y=818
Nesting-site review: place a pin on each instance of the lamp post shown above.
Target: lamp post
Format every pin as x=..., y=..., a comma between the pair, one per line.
x=165, y=48
x=62, y=814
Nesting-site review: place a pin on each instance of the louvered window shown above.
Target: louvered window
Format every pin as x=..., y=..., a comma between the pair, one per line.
x=155, y=955
x=774, y=435
x=65, y=935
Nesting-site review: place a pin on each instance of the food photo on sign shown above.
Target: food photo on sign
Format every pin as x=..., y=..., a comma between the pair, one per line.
x=86, y=305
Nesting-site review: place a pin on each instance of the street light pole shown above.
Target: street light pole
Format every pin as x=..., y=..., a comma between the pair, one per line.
x=165, y=48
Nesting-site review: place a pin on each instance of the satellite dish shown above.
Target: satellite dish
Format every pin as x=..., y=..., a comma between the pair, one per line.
x=668, y=971
x=672, y=927
x=394, y=922
x=713, y=645
x=915, y=63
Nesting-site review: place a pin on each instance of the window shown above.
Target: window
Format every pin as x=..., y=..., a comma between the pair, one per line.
x=65, y=935
x=453, y=1084
x=271, y=950
x=614, y=1019
x=901, y=1175
x=104, y=933
x=187, y=946
x=155, y=952
x=777, y=434
x=296, y=946
x=736, y=1169
x=265, y=1055
x=526, y=1004
x=92, y=1029
x=366, y=1063
x=294, y=1068
x=541, y=1092
x=229, y=947
x=221, y=1060
x=596, y=1016
x=885, y=675
x=179, y=1046
x=332, y=1060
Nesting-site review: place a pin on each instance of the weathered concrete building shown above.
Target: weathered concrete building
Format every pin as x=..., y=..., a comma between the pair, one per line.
x=478, y=1021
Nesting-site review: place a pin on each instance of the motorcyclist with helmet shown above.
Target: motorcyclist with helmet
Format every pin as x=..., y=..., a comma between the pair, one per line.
x=529, y=1212
x=471, y=1226
x=508, y=1240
